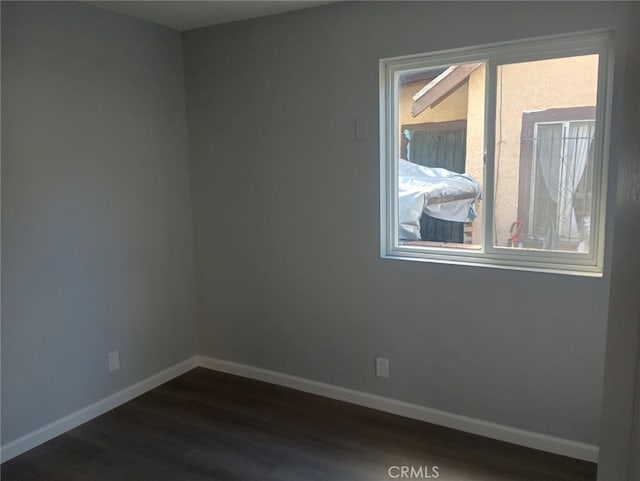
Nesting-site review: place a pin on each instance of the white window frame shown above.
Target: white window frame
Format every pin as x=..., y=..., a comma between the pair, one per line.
x=584, y=43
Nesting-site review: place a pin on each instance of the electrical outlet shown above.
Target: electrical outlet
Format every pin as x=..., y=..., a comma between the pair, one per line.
x=114, y=361
x=382, y=367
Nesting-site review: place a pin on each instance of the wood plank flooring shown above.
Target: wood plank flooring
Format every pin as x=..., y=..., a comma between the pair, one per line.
x=207, y=425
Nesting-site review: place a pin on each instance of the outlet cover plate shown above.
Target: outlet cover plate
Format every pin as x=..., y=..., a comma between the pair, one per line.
x=382, y=367
x=114, y=361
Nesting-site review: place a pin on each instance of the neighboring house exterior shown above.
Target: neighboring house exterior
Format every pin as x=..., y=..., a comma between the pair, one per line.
x=544, y=128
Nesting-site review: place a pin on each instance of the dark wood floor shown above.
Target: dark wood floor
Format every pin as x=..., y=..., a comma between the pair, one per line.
x=206, y=425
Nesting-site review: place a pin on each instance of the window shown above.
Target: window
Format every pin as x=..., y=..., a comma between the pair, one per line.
x=557, y=158
x=496, y=155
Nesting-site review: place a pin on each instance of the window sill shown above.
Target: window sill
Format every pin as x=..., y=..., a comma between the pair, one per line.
x=446, y=245
x=471, y=255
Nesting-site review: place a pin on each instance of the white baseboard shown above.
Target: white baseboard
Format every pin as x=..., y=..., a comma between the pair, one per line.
x=62, y=425
x=543, y=442
x=500, y=432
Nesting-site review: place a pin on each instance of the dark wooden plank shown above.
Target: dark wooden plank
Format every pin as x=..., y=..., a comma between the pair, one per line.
x=207, y=425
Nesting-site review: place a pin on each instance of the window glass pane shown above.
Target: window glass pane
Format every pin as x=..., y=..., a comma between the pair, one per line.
x=440, y=131
x=545, y=126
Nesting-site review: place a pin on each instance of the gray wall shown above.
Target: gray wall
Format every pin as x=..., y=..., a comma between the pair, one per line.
x=620, y=438
x=96, y=224
x=96, y=219
x=286, y=224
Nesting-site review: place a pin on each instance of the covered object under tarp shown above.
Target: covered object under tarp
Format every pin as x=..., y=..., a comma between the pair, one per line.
x=437, y=192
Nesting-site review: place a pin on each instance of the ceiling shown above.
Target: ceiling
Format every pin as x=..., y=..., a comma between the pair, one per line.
x=187, y=14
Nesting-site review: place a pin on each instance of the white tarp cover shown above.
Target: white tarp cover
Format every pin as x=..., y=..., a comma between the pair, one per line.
x=438, y=192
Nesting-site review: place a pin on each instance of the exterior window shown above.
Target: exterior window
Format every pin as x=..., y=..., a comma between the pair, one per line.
x=561, y=175
x=496, y=155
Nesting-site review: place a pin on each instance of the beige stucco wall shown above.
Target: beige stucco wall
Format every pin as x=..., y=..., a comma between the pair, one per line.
x=558, y=83
x=475, y=142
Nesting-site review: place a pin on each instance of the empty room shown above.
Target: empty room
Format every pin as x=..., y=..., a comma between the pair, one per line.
x=320, y=240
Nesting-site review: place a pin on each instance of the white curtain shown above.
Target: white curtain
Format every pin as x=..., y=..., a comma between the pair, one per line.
x=577, y=148
x=563, y=154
